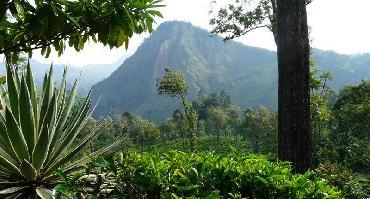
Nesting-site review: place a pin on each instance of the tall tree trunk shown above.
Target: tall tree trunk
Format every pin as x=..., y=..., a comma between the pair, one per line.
x=295, y=138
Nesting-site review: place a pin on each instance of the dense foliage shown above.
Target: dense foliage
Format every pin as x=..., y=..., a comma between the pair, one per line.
x=352, y=111
x=176, y=174
x=27, y=26
x=222, y=125
x=352, y=185
x=46, y=137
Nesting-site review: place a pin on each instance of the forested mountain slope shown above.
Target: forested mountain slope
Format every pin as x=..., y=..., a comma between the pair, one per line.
x=247, y=74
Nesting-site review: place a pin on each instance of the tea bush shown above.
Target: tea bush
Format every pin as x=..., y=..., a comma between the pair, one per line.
x=176, y=174
x=352, y=185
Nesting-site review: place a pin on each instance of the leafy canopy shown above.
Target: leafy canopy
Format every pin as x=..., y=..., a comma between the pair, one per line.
x=26, y=26
x=242, y=16
x=172, y=84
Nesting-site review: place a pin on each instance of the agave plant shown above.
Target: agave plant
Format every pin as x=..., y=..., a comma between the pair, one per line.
x=38, y=134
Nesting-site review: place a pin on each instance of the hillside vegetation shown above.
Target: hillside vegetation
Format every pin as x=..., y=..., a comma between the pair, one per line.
x=248, y=74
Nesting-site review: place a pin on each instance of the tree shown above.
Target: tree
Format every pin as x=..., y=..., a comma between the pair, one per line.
x=168, y=130
x=173, y=84
x=287, y=19
x=258, y=126
x=217, y=121
x=144, y=132
x=178, y=120
x=295, y=138
x=233, y=119
x=26, y=26
x=321, y=115
x=352, y=112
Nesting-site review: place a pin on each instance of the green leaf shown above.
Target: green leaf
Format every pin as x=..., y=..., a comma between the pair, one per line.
x=155, y=13
x=28, y=171
x=48, y=51
x=6, y=164
x=15, y=136
x=6, y=145
x=71, y=154
x=48, y=91
x=264, y=181
x=44, y=193
x=60, y=190
x=93, y=37
x=42, y=147
x=3, y=80
x=26, y=116
x=32, y=91
x=43, y=51
x=12, y=90
x=61, y=129
x=11, y=190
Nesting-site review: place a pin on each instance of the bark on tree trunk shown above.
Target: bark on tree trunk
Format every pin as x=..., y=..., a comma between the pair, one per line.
x=295, y=138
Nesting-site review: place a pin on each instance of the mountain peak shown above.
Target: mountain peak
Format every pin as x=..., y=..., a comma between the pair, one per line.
x=247, y=74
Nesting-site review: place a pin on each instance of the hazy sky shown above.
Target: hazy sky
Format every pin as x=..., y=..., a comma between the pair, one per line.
x=339, y=25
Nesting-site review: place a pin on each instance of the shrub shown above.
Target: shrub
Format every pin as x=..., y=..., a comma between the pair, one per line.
x=38, y=134
x=206, y=175
x=352, y=185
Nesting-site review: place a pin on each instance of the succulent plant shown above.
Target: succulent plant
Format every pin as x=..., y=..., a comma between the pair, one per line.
x=38, y=134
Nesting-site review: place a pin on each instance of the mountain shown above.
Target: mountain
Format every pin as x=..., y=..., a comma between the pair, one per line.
x=87, y=75
x=247, y=74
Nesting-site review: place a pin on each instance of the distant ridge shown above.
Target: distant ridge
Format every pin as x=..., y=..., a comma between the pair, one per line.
x=87, y=75
x=247, y=74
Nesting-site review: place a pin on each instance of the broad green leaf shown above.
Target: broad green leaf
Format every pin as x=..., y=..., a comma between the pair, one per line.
x=48, y=51
x=156, y=13
x=3, y=96
x=28, y=171
x=41, y=149
x=12, y=91
x=68, y=106
x=44, y=193
x=48, y=91
x=72, y=132
x=26, y=116
x=105, y=151
x=11, y=190
x=77, y=150
x=6, y=145
x=6, y=155
x=60, y=190
x=6, y=164
x=61, y=129
x=3, y=133
x=15, y=136
x=32, y=91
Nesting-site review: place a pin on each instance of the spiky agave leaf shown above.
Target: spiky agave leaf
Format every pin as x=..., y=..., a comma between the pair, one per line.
x=37, y=132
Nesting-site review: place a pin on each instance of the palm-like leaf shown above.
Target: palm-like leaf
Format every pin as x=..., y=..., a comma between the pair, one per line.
x=37, y=133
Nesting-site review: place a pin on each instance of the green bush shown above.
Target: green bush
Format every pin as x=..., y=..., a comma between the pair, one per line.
x=38, y=134
x=351, y=185
x=207, y=175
